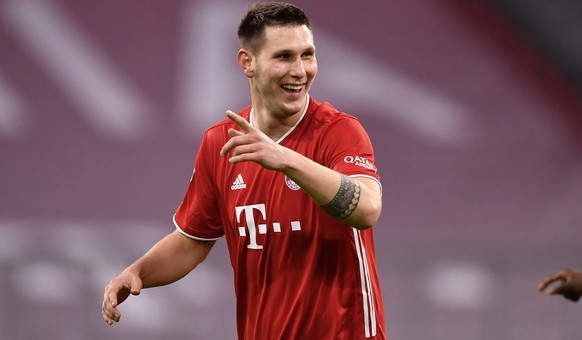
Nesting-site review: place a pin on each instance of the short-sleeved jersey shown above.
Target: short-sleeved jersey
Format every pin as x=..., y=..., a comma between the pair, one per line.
x=298, y=272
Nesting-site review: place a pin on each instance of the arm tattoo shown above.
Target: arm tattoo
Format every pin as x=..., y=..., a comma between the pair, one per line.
x=346, y=200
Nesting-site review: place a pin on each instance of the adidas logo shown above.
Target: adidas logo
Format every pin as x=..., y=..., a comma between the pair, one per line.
x=238, y=183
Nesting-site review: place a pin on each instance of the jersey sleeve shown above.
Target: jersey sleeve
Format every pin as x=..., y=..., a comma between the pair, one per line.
x=348, y=149
x=198, y=216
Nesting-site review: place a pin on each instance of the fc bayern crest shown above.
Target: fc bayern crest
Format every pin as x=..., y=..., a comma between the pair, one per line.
x=290, y=184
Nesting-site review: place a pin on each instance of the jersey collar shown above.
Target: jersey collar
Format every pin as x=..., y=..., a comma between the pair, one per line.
x=294, y=125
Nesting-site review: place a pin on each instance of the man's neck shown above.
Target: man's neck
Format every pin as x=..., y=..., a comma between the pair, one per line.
x=275, y=125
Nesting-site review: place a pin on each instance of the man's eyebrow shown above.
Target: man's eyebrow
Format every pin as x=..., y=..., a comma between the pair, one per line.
x=283, y=51
x=291, y=51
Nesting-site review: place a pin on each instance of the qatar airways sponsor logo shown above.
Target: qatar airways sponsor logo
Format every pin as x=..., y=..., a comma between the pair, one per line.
x=359, y=161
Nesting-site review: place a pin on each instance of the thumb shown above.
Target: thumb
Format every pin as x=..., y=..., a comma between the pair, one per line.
x=136, y=285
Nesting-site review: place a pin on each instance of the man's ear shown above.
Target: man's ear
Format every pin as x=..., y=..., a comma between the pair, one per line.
x=245, y=61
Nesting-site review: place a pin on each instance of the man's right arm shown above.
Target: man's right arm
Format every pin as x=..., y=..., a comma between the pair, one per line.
x=170, y=259
x=167, y=261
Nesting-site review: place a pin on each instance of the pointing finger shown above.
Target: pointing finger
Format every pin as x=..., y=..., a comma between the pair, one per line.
x=240, y=121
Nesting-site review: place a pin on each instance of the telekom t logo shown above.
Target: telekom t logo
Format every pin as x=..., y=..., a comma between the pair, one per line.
x=254, y=227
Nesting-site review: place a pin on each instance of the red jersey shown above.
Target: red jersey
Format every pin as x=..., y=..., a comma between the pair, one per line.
x=298, y=272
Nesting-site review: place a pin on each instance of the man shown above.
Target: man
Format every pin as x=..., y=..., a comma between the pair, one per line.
x=570, y=285
x=291, y=185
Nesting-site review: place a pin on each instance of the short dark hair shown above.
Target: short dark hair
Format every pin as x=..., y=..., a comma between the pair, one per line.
x=264, y=14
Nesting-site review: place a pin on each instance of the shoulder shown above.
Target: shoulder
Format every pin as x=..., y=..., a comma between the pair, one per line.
x=325, y=113
x=324, y=116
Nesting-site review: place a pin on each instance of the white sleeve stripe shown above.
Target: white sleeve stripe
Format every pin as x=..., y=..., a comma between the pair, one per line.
x=367, y=293
x=190, y=236
x=369, y=283
x=364, y=286
x=370, y=177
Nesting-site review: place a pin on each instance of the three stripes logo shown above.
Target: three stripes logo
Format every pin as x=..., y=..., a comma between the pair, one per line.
x=238, y=183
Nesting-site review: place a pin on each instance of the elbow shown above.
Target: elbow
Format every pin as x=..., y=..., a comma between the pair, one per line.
x=368, y=221
x=369, y=208
x=367, y=217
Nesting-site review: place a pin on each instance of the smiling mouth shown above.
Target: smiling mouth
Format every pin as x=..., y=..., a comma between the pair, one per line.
x=292, y=88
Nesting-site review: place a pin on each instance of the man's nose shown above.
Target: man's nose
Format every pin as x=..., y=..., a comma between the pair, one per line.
x=298, y=68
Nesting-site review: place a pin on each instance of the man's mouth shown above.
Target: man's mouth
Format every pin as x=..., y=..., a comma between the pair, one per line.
x=292, y=88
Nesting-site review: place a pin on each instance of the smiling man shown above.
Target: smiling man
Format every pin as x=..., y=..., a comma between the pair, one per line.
x=291, y=185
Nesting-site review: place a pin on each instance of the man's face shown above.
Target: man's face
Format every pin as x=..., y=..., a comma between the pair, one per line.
x=285, y=67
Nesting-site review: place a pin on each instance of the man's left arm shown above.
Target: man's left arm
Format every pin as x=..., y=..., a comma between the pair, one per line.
x=357, y=201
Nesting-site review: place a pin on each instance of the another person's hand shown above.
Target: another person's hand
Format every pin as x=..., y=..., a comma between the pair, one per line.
x=570, y=285
x=116, y=291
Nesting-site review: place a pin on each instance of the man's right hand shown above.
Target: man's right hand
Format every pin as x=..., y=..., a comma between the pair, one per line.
x=116, y=291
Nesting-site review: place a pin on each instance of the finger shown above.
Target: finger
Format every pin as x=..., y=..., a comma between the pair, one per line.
x=227, y=147
x=106, y=317
x=544, y=284
x=109, y=299
x=553, y=291
x=109, y=313
x=233, y=143
x=246, y=157
x=550, y=279
x=110, y=318
x=235, y=133
x=240, y=121
x=243, y=153
x=112, y=300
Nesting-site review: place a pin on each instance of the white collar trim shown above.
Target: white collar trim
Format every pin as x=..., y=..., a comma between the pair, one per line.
x=294, y=125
